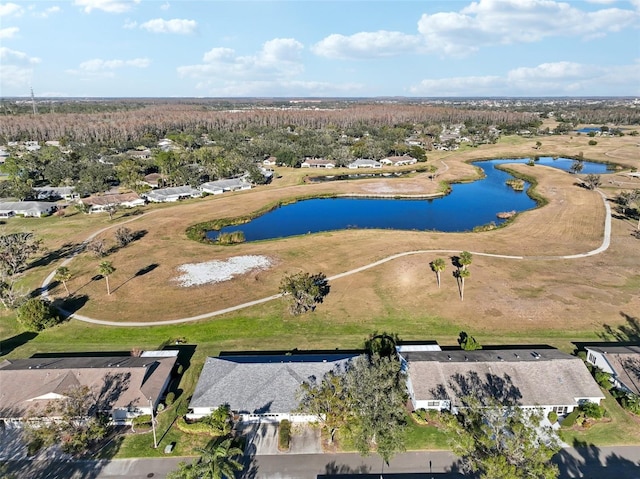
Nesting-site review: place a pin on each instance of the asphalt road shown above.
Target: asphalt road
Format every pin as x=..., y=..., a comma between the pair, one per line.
x=589, y=462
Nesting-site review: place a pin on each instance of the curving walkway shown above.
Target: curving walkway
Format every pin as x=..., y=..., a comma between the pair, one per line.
x=606, y=241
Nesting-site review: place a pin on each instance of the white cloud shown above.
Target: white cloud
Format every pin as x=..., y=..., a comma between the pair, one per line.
x=7, y=9
x=546, y=79
x=367, y=45
x=14, y=56
x=165, y=6
x=8, y=32
x=130, y=24
x=109, y=6
x=49, y=11
x=278, y=58
x=175, y=25
x=17, y=69
x=97, y=65
x=501, y=22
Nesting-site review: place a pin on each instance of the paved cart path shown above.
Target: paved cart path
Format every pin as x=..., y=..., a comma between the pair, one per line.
x=606, y=241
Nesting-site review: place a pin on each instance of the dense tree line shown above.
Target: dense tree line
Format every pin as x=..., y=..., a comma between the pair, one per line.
x=155, y=121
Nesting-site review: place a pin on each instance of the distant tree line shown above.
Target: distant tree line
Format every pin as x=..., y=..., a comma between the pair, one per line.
x=156, y=120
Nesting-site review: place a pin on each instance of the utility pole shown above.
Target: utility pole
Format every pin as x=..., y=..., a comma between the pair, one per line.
x=153, y=425
x=33, y=103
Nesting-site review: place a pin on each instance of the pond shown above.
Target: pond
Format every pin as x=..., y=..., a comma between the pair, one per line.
x=467, y=206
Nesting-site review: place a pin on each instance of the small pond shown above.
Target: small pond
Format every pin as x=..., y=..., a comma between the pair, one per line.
x=469, y=205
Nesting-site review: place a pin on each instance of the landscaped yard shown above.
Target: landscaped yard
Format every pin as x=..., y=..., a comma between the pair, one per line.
x=538, y=300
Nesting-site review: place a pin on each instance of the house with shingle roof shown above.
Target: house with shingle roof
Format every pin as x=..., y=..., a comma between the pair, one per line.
x=100, y=203
x=622, y=362
x=28, y=209
x=317, y=163
x=123, y=386
x=172, y=194
x=229, y=184
x=364, y=163
x=260, y=387
x=399, y=160
x=545, y=379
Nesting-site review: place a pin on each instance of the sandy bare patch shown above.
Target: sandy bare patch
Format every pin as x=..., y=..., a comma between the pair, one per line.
x=196, y=274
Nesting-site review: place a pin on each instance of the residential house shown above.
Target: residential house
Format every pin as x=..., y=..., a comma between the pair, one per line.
x=4, y=154
x=221, y=186
x=140, y=154
x=364, y=163
x=56, y=193
x=399, y=160
x=546, y=379
x=153, y=180
x=28, y=209
x=271, y=161
x=166, y=144
x=31, y=145
x=261, y=387
x=124, y=386
x=317, y=163
x=622, y=362
x=176, y=193
x=100, y=203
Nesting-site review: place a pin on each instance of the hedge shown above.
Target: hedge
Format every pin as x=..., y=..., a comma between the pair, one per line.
x=284, y=434
x=196, y=427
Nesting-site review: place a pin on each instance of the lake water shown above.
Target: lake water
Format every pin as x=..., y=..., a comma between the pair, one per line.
x=467, y=206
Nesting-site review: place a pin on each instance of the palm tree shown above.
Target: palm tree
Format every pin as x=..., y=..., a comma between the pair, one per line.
x=465, y=259
x=218, y=461
x=461, y=274
x=438, y=266
x=63, y=275
x=106, y=268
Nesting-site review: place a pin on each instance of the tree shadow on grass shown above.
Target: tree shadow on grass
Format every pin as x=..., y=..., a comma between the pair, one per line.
x=65, y=250
x=8, y=345
x=629, y=332
x=70, y=304
x=141, y=272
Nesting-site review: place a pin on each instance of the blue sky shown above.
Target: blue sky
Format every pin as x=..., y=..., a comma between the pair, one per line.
x=302, y=48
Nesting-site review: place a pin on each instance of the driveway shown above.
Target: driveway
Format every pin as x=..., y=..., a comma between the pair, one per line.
x=262, y=439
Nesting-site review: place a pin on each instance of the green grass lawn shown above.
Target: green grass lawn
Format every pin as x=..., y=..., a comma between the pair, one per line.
x=425, y=437
x=622, y=428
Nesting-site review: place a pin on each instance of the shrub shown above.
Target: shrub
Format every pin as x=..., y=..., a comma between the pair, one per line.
x=553, y=417
x=592, y=410
x=570, y=420
x=420, y=416
x=593, y=142
x=37, y=314
x=170, y=398
x=197, y=427
x=284, y=434
x=141, y=420
x=182, y=408
x=233, y=237
x=631, y=402
x=123, y=236
x=602, y=378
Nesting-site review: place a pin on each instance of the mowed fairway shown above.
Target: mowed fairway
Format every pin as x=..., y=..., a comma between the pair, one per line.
x=536, y=299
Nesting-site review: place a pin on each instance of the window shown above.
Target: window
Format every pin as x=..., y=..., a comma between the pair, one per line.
x=433, y=403
x=560, y=410
x=592, y=358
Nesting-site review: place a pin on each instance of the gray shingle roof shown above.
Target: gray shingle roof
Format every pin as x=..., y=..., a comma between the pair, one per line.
x=260, y=384
x=524, y=376
x=625, y=361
